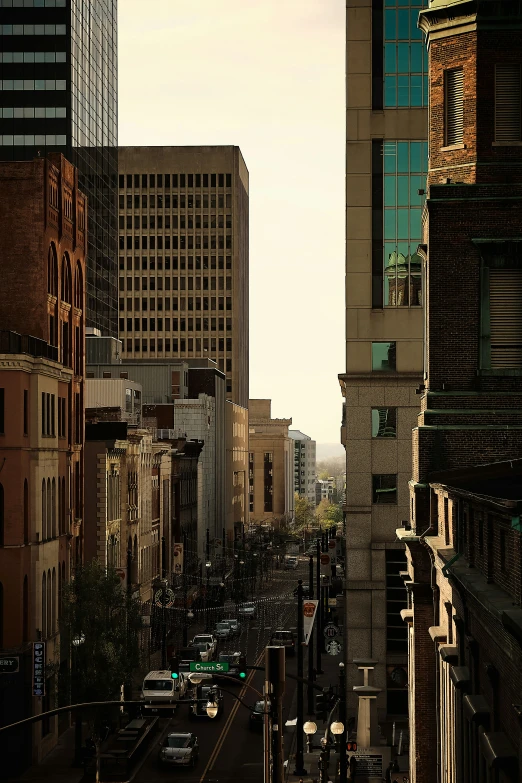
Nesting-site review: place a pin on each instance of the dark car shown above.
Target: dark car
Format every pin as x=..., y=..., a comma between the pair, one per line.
x=179, y=749
x=234, y=659
x=204, y=695
x=284, y=639
x=257, y=715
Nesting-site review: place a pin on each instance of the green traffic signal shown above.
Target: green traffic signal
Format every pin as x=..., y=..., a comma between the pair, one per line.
x=242, y=675
x=174, y=675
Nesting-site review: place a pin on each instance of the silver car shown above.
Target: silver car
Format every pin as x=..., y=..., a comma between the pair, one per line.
x=179, y=749
x=247, y=611
x=223, y=630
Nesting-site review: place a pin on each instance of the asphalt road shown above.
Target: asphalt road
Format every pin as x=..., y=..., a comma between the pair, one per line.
x=229, y=749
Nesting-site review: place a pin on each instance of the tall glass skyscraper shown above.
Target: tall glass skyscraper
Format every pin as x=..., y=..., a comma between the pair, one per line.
x=58, y=92
x=386, y=165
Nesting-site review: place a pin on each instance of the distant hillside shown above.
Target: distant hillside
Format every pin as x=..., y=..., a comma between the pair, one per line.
x=327, y=451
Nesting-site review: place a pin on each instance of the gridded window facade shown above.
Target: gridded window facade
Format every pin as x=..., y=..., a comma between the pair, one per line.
x=405, y=56
x=405, y=165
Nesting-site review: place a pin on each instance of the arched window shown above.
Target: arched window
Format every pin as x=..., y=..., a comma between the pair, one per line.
x=2, y=531
x=78, y=287
x=53, y=508
x=44, y=606
x=26, y=512
x=1, y=615
x=53, y=602
x=49, y=603
x=66, y=290
x=25, y=611
x=44, y=510
x=52, y=271
x=49, y=510
x=64, y=507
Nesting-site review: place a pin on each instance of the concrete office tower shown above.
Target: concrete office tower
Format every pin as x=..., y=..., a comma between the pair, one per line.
x=42, y=269
x=58, y=92
x=270, y=466
x=386, y=159
x=304, y=465
x=183, y=258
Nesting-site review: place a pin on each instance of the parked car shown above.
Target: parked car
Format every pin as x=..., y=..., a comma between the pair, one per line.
x=291, y=563
x=161, y=692
x=200, y=638
x=205, y=650
x=223, y=630
x=204, y=695
x=233, y=659
x=247, y=611
x=179, y=749
x=306, y=590
x=284, y=639
x=234, y=624
x=257, y=715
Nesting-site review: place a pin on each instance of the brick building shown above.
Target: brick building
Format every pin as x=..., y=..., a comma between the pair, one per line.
x=42, y=269
x=464, y=546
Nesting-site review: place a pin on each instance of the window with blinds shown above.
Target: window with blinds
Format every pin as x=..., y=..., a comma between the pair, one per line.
x=454, y=100
x=507, y=103
x=505, y=316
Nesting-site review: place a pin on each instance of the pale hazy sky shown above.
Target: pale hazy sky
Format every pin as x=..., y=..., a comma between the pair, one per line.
x=268, y=76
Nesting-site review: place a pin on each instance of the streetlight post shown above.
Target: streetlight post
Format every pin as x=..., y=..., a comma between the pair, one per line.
x=208, y=566
x=310, y=686
x=318, y=624
x=163, y=624
x=299, y=753
x=343, y=766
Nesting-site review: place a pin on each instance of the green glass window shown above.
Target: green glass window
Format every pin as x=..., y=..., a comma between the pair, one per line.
x=405, y=55
x=384, y=357
x=405, y=166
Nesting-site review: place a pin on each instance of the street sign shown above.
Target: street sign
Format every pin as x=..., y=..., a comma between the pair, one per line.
x=177, y=558
x=169, y=598
x=121, y=573
x=332, y=602
x=334, y=647
x=331, y=631
x=325, y=564
x=325, y=559
x=208, y=666
x=9, y=664
x=38, y=668
x=309, y=610
x=332, y=543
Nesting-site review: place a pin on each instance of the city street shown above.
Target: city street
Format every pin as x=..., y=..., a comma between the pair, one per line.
x=229, y=748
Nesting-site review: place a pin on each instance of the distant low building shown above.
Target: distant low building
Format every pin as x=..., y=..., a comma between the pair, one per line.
x=324, y=490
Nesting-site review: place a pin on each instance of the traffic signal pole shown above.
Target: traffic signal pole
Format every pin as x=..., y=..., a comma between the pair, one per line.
x=318, y=616
x=299, y=753
x=274, y=771
x=310, y=687
x=343, y=766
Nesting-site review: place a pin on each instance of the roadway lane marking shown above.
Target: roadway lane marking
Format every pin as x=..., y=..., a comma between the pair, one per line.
x=226, y=728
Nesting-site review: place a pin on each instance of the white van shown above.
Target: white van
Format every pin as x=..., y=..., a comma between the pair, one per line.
x=161, y=692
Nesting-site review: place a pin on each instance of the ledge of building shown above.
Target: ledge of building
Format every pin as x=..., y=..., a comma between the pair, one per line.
x=438, y=633
x=406, y=536
x=407, y=616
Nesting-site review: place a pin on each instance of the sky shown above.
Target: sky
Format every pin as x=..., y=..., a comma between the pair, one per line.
x=268, y=76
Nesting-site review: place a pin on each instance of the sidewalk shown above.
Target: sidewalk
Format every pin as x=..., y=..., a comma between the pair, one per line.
x=56, y=766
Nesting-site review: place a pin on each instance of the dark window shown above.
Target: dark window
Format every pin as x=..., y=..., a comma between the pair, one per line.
x=396, y=600
x=384, y=422
x=377, y=55
x=377, y=222
x=2, y=414
x=503, y=550
x=507, y=103
x=454, y=110
x=383, y=357
x=26, y=411
x=384, y=489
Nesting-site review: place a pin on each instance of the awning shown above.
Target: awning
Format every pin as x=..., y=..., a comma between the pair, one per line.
x=449, y=653
x=477, y=709
x=498, y=750
x=460, y=677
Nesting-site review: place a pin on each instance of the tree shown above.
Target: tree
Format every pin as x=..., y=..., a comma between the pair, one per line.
x=303, y=512
x=329, y=514
x=101, y=622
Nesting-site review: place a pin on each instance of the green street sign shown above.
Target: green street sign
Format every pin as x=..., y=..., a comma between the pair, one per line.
x=208, y=666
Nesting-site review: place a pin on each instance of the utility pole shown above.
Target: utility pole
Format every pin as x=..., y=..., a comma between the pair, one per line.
x=318, y=624
x=163, y=624
x=343, y=767
x=274, y=771
x=310, y=686
x=299, y=753
x=163, y=558
x=185, y=611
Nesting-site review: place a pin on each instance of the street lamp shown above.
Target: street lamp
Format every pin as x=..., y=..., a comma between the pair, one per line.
x=208, y=566
x=212, y=709
x=337, y=727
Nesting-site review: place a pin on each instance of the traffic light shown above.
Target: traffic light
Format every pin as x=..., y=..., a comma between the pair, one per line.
x=321, y=705
x=242, y=668
x=174, y=668
x=351, y=747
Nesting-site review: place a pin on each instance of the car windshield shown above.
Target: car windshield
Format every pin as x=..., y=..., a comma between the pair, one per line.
x=157, y=685
x=248, y=606
x=222, y=626
x=201, y=646
x=230, y=657
x=177, y=742
x=282, y=635
x=200, y=639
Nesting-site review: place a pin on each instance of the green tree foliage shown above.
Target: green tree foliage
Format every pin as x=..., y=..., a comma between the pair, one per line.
x=101, y=622
x=304, y=512
x=329, y=514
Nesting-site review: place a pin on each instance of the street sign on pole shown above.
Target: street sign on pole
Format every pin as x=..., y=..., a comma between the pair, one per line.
x=333, y=647
x=208, y=666
x=331, y=631
x=309, y=611
x=169, y=598
x=177, y=558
